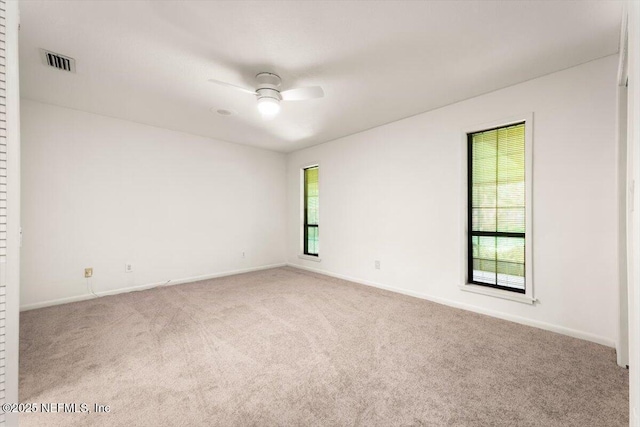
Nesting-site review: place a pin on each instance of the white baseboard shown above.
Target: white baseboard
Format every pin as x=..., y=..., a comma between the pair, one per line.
x=510, y=317
x=517, y=319
x=143, y=287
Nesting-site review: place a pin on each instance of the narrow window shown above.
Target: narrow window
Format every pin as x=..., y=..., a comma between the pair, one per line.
x=311, y=205
x=496, y=208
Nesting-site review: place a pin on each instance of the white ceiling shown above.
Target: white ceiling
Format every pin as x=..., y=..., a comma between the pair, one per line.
x=378, y=62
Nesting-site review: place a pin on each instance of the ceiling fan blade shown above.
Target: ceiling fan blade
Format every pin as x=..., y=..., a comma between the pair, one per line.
x=218, y=82
x=302, y=93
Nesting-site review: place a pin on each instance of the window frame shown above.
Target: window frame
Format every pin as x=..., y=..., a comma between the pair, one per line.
x=467, y=281
x=302, y=253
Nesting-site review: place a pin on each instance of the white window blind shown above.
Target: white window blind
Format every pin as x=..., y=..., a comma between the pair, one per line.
x=497, y=208
x=311, y=209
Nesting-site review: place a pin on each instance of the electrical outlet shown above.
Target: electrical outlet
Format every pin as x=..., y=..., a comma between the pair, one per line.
x=88, y=272
x=377, y=264
x=128, y=268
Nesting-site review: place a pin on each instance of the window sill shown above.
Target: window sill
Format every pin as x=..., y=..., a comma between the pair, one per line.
x=309, y=258
x=476, y=289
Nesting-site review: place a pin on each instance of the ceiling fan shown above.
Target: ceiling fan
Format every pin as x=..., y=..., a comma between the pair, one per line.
x=269, y=94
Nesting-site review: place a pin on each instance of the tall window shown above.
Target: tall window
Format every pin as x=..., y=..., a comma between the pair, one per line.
x=497, y=211
x=311, y=205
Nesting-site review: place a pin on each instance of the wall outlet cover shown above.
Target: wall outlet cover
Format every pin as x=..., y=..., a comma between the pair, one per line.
x=88, y=272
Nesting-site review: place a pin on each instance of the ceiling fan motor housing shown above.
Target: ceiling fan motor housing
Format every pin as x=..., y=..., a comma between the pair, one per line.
x=268, y=84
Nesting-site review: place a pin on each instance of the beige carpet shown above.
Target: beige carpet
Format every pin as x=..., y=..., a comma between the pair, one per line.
x=286, y=347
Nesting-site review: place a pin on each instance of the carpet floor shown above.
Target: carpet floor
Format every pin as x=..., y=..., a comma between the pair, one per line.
x=284, y=347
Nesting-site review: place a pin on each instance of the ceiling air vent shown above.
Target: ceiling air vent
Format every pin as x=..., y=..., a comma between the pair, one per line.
x=58, y=61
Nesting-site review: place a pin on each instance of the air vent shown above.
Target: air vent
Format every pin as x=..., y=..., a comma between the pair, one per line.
x=58, y=61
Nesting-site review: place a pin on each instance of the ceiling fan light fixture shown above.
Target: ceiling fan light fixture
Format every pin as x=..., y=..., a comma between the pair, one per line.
x=268, y=107
x=269, y=95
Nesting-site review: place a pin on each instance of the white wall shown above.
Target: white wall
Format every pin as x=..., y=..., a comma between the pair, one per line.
x=622, y=340
x=393, y=194
x=101, y=192
x=633, y=236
